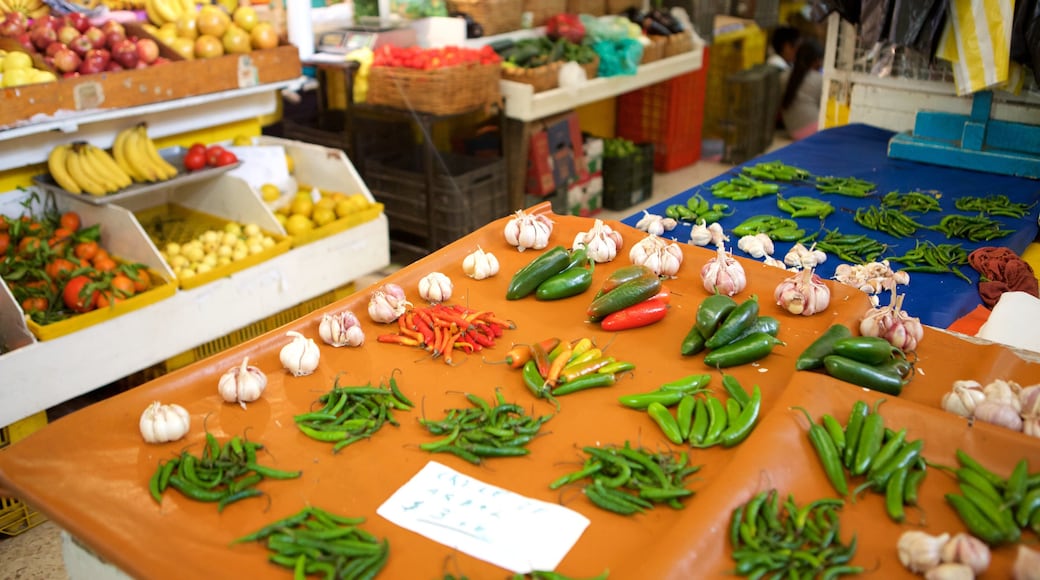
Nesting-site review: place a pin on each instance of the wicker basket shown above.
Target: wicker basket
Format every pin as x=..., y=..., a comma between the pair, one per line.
x=444, y=91
x=677, y=44
x=591, y=68
x=590, y=7
x=655, y=50
x=495, y=16
x=542, y=78
x=619, y=6
x=541, y=10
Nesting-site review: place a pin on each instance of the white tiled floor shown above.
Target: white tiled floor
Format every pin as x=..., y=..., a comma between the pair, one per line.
x=36, y=553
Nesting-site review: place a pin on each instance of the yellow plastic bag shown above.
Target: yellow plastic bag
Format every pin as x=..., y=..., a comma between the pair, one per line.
x=977, y=42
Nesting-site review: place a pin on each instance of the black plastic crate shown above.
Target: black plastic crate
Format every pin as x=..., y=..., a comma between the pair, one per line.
x=628, y=180
x=468, y=192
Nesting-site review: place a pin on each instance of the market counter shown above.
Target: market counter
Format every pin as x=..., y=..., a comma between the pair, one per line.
x=89, y=471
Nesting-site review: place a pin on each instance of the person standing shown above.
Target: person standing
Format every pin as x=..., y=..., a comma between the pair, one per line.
x=785, y=43
x=802, y=91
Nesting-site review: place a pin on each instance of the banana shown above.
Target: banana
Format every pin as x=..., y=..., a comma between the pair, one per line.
x=188, y=7
x=168, y=170
x=93, y=170
x=153, y=14
x=112, y=170
x=119, y=154
x=56, y=165
x=138, y=158
x=169, y=10
x=74, y=163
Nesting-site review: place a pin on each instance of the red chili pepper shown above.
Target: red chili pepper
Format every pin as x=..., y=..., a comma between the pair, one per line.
x=664, y=294
x=541, y=358
x=640, y=314
x=397, y=339
x=480, y=339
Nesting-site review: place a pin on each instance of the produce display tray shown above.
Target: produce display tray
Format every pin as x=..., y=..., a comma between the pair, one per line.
x=174, y=223
x=174, y=155
x=334, y=227
x=104, y=500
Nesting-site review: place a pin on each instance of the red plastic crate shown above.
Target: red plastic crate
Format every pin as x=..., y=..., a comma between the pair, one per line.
x=670, y=115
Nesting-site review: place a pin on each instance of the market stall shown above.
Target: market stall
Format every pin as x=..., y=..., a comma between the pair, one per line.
x=861, y=152
x=104, y=468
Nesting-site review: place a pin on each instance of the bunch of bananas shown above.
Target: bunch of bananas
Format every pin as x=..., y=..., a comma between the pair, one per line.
x=84, y=168
x=162, y=11
x=30, y=8
x=124, y=4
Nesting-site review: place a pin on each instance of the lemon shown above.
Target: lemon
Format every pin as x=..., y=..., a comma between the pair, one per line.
x=323, y=215
x=242, y=141
x=270, y=192
x=344, y=208
x=325, y=203
x=298, y=224
x=289, y=163
x=16, y=60
x=302, y=206
x=284, y=211
x=282, y=219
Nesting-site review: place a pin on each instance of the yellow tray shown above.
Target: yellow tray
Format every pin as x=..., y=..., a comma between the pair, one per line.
x=160, y=290
x=334, y=227
x=175, y=223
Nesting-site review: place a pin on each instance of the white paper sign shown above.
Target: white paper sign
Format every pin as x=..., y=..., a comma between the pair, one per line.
x=262, y=164
x=487, y=522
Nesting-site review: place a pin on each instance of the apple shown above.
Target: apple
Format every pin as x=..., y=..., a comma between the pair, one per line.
x=113, y=38
x=113, y=66
x=54, y=47
x=160, y=60
x=99, y=54
x=70, y=75
x=92, y=64
x=67, y=34
x=111, y=26
x=41, y=35
x=81, y=45
x=13, y=24
x=78, y=20
x=96, y=36
x=26, y=42
x=125, y=53
x=147, y=50
x=66, y=60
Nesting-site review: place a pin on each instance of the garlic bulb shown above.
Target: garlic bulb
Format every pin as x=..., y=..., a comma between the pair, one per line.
x=526, y=230
x=341, y=329
x=700, y=235
x=164, y=423
x=963, y=399
x=804, y=293
x=718, y=236
x=601, y=242
x=664, y=258
x=1000, y=414
x=757, y=245
x=300, y=356
x=387, y=304
x=920, y=552
x=1027, y=564
x=950, y=571
x=242, y=384
x=1030, y=401
x=771, y=261
x=480, y=264
x=801, y=257
x=893, y=324
x=872, y=277
x=655, y=224
x=968, y=550
x=435, y=287
x=1005, y=393
x=723, y=274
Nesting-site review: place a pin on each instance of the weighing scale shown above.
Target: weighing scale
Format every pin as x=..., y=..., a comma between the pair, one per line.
x=344, y=40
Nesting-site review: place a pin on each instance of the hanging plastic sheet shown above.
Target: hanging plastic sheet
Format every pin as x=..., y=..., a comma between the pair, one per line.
x=1025, y=35
x=907, y=20
x=874, y=20
x=977, y=42
x=931, y=29
x=847, y=9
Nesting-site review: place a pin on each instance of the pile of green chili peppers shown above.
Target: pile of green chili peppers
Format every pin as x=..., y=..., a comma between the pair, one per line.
x=777, y=228
x=743, y=188
x=847, y=186
x=853, y=248
x=649, y=478
x=804, y=206
x=914, y=201
x=698, y=209
x=776, y=171
x=890, y=221
x=977, y=228
x=352, y=413
x=790, y=541
x=994, y=205
x=222, y=474
x=484, y=430
x=866, y=361
x=934, y=258
x=314, y=541
x=995, y=509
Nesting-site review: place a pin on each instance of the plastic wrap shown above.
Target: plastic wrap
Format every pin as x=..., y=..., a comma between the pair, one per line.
x=618, y=57
x=1025, y=35
x=908, y=18
x=873, y=20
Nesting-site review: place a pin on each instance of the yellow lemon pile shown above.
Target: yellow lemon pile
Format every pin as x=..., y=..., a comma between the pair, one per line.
x=303, y=213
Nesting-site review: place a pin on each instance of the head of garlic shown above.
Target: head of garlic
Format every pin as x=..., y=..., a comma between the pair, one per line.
x=700, y=235
x=161, y=423
x=723, y=274
x=601, y=242
x=387, y=304
x=242, y=384
x=968, y=550
x=893, y=324
x=480, y=264
x=300, y=356
x=963, y=399
x=718, y=235
x=756, y=245
x=655, y=224
x=1000, y=414
x=1030, y=404
x=663, y=257
x=1004, y=392
x=919, y=551
x=1027, y=564
x=801, y=257
x=341, y=329
x=435, y=287
x=804, y=293
x=525, y=230
x=950, y=571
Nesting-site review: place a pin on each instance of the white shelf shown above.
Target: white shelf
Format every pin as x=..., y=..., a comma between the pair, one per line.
x=46, y=373
x=30, y=144
x=523, y=104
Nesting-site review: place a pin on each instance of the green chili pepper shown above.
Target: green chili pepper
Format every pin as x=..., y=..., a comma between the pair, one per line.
x=589, y=381
x=692, y=343
x=664, y=419
x=871, y=350
x=570, y=282
x=688, y=383
x=716, y=422
x=643, y=400
x=540, y=269
x=699, y=428
x=828, y=454
x=746, y=350
x=684, y=416
x=869, y=442
x=738, y=430
x=853, y=426
x=812, y=357
x=864, y=375
x=710, y=314
x=735, y=390
x=738, y=320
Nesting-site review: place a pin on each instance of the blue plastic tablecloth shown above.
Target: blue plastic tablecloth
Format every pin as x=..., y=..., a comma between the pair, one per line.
x=862, y=151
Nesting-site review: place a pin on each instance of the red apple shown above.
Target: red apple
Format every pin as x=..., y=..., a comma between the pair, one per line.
x=67, y=34
x=147, y=50
x=26, y=42
x=81, y=45
x=160, y=60
x=41, y=35
x=66, y=60
x=113, y=38
x=125, y=53
x=96, y=36
x=13, y=24
x=54, y=47
x=113, y=66
x=111, y=26
x=92, y=64
x=142, y=64
x=70, y=75
x=101, y=55
x=78, y=20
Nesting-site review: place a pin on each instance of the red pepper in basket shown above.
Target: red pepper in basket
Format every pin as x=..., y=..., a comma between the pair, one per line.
x=640, y=314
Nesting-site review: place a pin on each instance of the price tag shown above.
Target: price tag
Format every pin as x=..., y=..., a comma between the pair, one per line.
x=248, y=76
x=487, y=522
x=88, y=95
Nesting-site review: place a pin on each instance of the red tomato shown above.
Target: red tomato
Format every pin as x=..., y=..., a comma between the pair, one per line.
x=70, y=221
x=226, y=158
x=197, y=148
x=195, y=160
x=34, y=304
x=76, y=296
x=213, y=154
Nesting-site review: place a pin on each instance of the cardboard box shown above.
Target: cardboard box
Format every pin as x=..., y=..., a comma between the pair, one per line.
x=585, y=197
x=593, y=150
x=556, y=158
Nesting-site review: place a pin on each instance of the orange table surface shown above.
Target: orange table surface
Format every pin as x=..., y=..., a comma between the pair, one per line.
x=89, y=470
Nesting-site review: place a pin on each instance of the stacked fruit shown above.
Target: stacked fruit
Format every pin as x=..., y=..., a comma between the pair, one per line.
x=215, y=248
x=17, y=68
x=25, y=8
x=210, y=31
x=304, y=213
x=84, y=168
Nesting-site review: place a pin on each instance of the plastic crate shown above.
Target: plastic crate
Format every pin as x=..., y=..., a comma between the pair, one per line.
x=731, y=52
x=669, y=115
x=749, y=122
x=15, y=516
x=628, y=180
x=468, y=192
